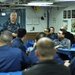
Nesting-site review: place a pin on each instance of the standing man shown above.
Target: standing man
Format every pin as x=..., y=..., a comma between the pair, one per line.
x=11, y=24
x=46, y=64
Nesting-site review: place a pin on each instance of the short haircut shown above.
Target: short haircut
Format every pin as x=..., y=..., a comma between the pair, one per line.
x=45, y=46
x=40, y=35
x=21, y=32
x=63, y=31
x=6, y=37
x=53, y=28
x=13, y=13
x=64, y=27
x=48, y=29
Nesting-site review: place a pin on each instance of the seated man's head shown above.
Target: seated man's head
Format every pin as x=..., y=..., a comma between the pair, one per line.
x=52, y=30
x=47, y=31
x=6, y=37
x=45, y=48
x=64, y=27
x=40, y=35
x=21, y=33
x=61, y=34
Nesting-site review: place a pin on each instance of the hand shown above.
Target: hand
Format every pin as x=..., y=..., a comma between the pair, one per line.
x=56, y=47
x=34, y=44
x=14, y=34
x=66, y=63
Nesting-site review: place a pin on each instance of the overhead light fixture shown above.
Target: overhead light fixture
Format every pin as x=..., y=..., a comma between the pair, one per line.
x=3, y=14
x=63, y=0
x=3, y=0
x=40, y=3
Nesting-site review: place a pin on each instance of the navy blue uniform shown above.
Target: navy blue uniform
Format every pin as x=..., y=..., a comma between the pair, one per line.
x=11, y=59
x=18, y=43
x=72, y=66
x=33, y=56
x=52, y=36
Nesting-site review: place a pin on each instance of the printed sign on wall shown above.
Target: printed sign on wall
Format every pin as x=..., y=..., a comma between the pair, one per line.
x=73, y=25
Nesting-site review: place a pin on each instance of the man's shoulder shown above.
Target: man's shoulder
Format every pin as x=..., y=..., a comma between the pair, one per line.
x=8, y=48
x=6, y=22
x=55, y=40
x=16, y=40
x=65, y=39
x=64, y=69
x=16, y=43
x=15, y=48
x=30, y=70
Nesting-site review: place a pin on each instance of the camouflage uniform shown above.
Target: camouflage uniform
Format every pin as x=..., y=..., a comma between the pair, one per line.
x=11, y=27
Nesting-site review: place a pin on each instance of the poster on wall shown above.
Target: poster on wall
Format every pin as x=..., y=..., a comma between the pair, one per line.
x=65, y=23
x=69, y=13
x=73, y=13
x=72, y=25
x=64, y=14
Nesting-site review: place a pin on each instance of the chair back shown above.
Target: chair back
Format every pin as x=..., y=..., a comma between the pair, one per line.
x=11, y=73
x=69, y=44
x=30, y=42
x=73, y=46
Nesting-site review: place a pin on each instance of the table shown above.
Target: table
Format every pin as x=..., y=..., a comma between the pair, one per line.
x=66, y=51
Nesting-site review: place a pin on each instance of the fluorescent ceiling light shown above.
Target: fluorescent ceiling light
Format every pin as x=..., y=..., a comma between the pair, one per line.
x=3, y=14
x=2, y=0
x=40, y=3
x=64, y=0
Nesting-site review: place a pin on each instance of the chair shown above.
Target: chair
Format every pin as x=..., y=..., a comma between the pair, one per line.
x=30, y=43
x=73, y=53
x=73, y=46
